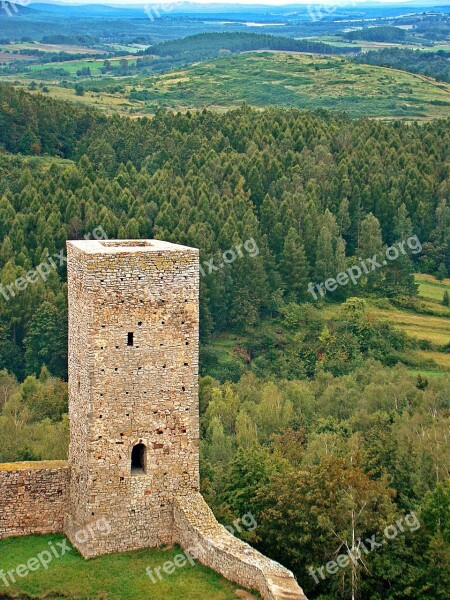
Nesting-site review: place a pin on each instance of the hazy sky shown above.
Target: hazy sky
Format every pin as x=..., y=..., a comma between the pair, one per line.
x=349, y=3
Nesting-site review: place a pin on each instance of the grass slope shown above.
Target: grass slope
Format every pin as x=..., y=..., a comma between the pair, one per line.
x=284, y=79
x=431, y=288
x=72, y=66
x=270, y=78
x=73, y=49
x=417, y=44
x=115, y=576
x=432, y=330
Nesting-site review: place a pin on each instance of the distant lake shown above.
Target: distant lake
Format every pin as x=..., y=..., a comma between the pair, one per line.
x=221, y=22
x=246, y=23
x=250, y=24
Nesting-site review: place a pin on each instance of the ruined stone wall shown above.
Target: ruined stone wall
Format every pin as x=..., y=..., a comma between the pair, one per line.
x=133, y=379
x=198, y=532
x=33, y=497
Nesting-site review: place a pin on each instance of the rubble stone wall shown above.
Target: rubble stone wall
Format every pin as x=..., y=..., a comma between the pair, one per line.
x=198, y=532
x=33, y=497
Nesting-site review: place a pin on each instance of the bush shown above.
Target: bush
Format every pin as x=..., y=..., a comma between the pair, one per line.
x=424, y=345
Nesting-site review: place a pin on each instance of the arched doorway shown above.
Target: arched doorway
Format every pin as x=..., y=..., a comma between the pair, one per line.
x=138, y=459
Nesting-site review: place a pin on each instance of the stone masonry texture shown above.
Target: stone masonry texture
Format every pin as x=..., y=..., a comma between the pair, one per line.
x=198, y=532
x=133, y=379
x=33, y=497
x=134, y=422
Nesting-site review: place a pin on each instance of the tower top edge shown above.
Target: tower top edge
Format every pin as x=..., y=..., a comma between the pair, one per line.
x=108, y=247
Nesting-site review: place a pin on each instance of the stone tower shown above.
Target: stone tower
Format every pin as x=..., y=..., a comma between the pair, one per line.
x=133, y=389
x=134, y=422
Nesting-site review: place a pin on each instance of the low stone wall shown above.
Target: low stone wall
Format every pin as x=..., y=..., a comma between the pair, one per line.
x=33, y=497
x=198, y=532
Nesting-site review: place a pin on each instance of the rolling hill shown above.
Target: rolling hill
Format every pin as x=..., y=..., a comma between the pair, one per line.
x=281, y=79
x=303, y=81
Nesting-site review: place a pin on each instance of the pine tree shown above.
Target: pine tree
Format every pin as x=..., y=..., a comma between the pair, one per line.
x=11, y=358
x=370, y=245
x=325, y=266
x=441, y=273
x=45, y=342
x=400, y=272
x=294, y=266
x=255, y=185
x=7, y=215
x=343, y=217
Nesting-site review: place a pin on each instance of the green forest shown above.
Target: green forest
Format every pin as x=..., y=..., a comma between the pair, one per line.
x=377, y=34
x=315, y=192
x=431, y=64
x=313, y=409
x=206, y=46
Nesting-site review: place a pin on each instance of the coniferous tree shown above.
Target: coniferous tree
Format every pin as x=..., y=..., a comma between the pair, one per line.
x=294, y=266
x=400, y=272
x=44, y=343
x=325, y=266
x=371, y=245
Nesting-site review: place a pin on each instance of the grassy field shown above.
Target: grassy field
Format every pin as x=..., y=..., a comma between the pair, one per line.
x=263, y=79
x=111, y=103
x=428, y=373
x=131, y=48
x=284, y=79
x=366, y=46
x=111, y=577
x=431, y=288
x=421, y=327
x=6, y=58
x=337, y=40
x=72, y=66
x=434, y=329
x=430, y=328
x=73, y=49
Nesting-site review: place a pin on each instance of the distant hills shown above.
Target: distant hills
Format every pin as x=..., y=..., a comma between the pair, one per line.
x=92, y=10
x=6, y=11
x=263, y=11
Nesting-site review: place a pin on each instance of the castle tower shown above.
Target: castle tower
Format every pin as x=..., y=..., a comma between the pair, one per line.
x=133, y=389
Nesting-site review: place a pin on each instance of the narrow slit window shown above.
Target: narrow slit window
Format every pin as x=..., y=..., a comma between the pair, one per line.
x=130, y=339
